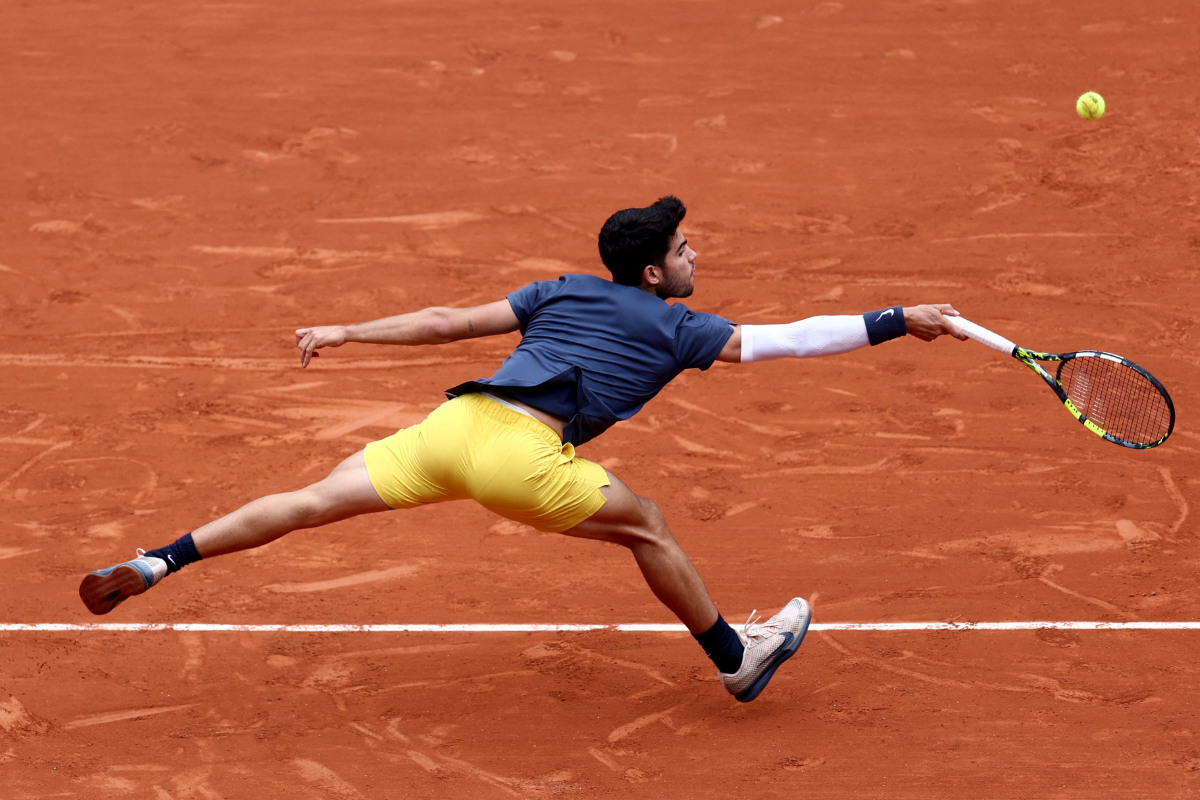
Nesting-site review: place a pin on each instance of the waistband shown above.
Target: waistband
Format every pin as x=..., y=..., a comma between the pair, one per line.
x=505, y=403
x=507, y=416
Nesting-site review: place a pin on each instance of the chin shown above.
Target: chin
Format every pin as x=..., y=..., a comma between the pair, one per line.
x=675, y=292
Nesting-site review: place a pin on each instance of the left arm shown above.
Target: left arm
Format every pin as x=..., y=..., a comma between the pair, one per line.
x=818, y=336
x=427, y=326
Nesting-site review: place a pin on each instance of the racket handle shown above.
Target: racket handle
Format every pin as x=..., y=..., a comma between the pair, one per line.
x=983, y=335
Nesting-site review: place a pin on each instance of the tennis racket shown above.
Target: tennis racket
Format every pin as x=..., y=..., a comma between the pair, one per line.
x=1113, y=397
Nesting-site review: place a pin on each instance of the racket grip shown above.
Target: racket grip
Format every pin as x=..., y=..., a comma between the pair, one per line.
x=983, y=335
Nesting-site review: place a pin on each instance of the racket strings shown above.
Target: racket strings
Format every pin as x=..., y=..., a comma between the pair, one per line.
x=1117, y=398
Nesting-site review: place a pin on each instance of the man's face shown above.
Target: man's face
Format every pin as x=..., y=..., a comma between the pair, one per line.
x=678, y=269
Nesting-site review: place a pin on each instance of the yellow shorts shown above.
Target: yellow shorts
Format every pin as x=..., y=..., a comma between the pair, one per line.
x=473, y=447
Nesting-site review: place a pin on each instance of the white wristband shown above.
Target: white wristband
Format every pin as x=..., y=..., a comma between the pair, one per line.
x=815, y=336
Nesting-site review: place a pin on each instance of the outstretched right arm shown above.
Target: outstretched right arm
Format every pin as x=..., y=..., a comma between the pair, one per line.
x=820, y=336
x=427, y=326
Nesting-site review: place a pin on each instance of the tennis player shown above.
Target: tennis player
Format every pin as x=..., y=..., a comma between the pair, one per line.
x=592, y=353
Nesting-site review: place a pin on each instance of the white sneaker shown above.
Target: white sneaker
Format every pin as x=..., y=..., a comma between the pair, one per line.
x=767, y=646
x=105, y=589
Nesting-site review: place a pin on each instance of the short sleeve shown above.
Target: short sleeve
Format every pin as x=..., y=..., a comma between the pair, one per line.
x=528, y=299
x=699, y=339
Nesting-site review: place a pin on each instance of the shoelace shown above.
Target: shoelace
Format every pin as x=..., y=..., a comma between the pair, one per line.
x=755, y=632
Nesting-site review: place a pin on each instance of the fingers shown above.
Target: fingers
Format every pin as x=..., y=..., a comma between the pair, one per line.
x=301, y=335
x=950, y=328
x=309, y=340
x=307, y=344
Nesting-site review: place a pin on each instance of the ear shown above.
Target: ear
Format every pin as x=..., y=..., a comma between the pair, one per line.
x=652, y=275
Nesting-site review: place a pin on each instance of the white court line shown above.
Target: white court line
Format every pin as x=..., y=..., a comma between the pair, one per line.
x=61, y=627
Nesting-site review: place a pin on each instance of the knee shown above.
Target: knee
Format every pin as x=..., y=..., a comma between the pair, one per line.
x=652, y=515
x=310, y=508
x=652, y=526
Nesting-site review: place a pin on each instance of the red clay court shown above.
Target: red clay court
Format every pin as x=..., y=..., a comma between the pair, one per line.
x=188, y=183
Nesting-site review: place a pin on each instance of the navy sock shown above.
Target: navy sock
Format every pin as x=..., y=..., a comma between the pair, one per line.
x=722, y=645
x=178, y=554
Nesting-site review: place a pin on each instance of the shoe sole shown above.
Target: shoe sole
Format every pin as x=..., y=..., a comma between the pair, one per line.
x=781, y=655
x=102, y=593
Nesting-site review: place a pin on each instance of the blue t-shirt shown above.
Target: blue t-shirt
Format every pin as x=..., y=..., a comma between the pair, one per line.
x=593, y=352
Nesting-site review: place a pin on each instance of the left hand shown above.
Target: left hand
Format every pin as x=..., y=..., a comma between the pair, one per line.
x=309, y=339
x=928, y=322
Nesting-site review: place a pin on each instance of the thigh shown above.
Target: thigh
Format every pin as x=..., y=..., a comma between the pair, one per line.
x=418, y=465
x=536, y=480
x=623, y=517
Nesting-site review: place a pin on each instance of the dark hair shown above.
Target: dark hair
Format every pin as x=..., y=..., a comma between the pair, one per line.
x=634, y=238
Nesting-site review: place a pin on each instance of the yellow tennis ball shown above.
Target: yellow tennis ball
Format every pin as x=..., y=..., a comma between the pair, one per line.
x=1090, y=105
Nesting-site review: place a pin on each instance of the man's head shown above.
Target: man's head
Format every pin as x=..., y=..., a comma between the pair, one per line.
x=643, y=247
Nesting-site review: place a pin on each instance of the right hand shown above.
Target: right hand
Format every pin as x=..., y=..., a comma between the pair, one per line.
x=928, y=322
x=309, y=340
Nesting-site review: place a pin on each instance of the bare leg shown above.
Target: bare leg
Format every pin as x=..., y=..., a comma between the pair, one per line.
x=346, y=492
x=635, y=522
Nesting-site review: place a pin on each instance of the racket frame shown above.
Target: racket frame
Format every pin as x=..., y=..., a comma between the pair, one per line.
x=1031, y=357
